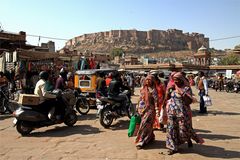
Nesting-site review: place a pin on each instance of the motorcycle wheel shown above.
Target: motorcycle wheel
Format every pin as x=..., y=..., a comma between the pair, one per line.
x=82, y=108
x=70, y=119
x=105, y=118
x=131, y=110
x=23, y=129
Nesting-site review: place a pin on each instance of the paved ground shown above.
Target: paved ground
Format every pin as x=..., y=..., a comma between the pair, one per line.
x=89, y=141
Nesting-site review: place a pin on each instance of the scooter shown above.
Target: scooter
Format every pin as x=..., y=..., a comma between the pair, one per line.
x=27, y=118
x=110, y=109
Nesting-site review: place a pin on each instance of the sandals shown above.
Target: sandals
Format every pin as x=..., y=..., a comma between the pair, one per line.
x=139, y=145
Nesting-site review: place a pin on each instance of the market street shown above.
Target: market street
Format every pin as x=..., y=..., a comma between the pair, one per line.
x=89, y=140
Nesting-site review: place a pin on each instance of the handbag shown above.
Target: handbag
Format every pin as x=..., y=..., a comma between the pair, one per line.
x=134, y=121
x=207, y=100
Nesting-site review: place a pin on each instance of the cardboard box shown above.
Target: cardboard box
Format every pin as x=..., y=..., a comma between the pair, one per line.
x=29, y=99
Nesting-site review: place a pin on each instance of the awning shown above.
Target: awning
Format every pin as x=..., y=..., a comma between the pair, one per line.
x=36, y=55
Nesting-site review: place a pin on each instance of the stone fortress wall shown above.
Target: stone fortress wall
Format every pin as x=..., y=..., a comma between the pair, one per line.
x=138, y=41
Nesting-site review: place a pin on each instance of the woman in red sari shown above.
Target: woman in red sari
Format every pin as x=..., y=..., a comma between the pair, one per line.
x=148, y=105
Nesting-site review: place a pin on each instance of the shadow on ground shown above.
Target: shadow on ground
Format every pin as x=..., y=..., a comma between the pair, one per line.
x=213, y=112
x=63, y=131
x=120, y=125
x=89, y=116
x=156, y=144
x=215, y=137
x=210, y=152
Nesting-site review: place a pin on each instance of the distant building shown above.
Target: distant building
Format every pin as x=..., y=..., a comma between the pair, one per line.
x=202, y=57
x=131, y=60
x=11, y=41
x=46, y=47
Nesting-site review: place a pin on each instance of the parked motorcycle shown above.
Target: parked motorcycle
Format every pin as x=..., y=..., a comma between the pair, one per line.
x=27, y=118
x=229, y=86
x=110, y=109
x=4, y=100
x=237, y=87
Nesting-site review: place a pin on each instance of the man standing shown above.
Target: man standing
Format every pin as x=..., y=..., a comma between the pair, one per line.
x=203, y=90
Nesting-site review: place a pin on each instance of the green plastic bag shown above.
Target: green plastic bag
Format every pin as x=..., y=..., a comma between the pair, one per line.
x=136, y=119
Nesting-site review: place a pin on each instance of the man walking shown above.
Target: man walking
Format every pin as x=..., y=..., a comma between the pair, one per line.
x=203, y=90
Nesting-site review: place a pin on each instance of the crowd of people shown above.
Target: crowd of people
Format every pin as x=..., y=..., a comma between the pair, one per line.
x=161, y=103
x=168, y=103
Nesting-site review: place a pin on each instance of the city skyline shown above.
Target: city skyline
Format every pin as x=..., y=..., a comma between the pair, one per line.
x=215, y=19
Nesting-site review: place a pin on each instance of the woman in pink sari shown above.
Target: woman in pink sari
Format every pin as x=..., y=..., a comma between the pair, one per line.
x=148, y=104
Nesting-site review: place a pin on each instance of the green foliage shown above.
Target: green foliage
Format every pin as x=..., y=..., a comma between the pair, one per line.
x=117, y=52
x=231, y=59
x=237, y=47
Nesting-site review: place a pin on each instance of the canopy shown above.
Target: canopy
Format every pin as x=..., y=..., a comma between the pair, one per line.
x=36, y=55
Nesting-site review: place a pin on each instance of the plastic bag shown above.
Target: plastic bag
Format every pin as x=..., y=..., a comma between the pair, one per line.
x=134, y=121
x=207, y=100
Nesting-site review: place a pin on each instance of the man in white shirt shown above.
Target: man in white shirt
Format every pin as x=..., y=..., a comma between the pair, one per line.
x=46, y=99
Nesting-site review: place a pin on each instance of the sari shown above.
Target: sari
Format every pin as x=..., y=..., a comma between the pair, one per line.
x=148, y=102
x=179, y=127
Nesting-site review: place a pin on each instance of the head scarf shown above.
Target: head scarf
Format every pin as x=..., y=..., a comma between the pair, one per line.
x=171, y=83
x=180, y=76
x=145, y=90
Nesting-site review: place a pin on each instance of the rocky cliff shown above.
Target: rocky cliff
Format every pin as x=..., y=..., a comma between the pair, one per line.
x=133, y=41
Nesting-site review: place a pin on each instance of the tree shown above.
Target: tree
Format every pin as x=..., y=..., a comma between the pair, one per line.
x=230, y=59
x=117, y=52
x=237, y=47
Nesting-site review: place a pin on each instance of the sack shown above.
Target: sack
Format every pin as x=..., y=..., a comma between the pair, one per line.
x=134, y=121
x=207, y=100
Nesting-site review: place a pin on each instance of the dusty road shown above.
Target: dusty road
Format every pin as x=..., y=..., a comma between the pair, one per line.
x=87, y=140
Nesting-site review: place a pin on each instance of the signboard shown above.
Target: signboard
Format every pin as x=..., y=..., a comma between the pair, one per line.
x=229, y=73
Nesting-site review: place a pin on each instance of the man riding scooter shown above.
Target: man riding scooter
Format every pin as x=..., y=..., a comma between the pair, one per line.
x=47, y=100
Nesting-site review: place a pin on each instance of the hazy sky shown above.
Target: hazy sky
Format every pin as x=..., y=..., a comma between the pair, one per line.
x=70, y=18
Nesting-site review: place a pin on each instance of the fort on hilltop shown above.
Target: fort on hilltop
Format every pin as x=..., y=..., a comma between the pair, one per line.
x=134, y=41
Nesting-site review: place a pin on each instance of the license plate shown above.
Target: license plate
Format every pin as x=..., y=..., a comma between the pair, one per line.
x=15, y=121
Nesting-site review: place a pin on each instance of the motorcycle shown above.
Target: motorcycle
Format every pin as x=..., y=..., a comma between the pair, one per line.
x=27, y=118
x=229, y=86
x=237, y=87
x=4, y=100
x=82, y=105
x=110, y=109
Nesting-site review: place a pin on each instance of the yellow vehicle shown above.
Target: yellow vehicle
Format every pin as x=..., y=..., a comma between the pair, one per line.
x=85, y=80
